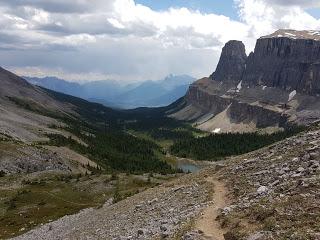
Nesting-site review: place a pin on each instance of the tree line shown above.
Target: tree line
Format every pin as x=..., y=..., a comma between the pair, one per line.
x=217, y=146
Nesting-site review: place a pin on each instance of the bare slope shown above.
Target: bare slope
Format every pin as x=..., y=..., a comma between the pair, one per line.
x=17, y=96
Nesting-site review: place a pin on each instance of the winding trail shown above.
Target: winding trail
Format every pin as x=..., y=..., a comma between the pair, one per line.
x=207, y=222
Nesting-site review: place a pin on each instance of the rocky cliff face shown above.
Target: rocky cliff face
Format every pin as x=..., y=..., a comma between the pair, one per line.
x=232, y=63
x=237, y=112
x=277, y=84
x=288, y=60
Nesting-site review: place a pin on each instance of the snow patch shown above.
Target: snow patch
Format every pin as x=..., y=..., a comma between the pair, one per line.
x=311, y=34
x=291, y=95
x=239, y=86
x=314, y=32
x=217, y=130
x=290, y=34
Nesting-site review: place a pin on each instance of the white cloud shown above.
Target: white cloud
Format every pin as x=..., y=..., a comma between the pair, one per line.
x=124, y=40
x=299, y=3
x=264, y=17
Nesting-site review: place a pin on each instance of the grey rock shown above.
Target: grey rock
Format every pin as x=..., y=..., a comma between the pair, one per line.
x=256, y=236
x=262, y=190
x=163, y=228
x=140, y=232
x=232, y=63
x=300, y=169
x=260, y=88
x=314, y=155
x=286, y=63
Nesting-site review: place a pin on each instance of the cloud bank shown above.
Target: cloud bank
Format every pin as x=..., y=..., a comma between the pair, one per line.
x=122, y=40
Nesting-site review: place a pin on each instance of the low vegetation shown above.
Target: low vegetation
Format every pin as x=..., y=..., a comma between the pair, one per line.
x=46, y=198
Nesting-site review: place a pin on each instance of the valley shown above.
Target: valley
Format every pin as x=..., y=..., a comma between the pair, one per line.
x=264, y=191
x=81, y=156
x=118, y=95
x=232, y=159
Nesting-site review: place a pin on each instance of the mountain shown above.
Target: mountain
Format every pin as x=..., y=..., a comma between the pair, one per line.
x=106, y=90
x=142, y=93
x=172, y=82
x=276, y=86
x=232, y=63
x=170, y=96
x=57, y=84
x=46, y=131
x=288, y=60
x=114, y=94
x=100, y=90
x=157, y=93
x=73, y=149
x=27, y=109
x=16, y=95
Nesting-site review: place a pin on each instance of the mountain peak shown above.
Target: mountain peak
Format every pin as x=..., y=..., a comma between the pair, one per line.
x=232, y=62
x=295, y=34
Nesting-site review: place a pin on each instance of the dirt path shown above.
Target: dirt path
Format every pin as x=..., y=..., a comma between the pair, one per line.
x=207, y=222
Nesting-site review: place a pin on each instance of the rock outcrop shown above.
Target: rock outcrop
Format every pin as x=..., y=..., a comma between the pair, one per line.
x=232, y=63
x=276, y=85
x=289, y=60
x=238, y=112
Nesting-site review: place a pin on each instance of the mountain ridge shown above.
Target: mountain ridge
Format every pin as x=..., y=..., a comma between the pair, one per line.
x=112, y=93
x=276, y=86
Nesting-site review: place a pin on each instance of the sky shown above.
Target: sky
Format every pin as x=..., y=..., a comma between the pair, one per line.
x=225, y=7
x=135, y=40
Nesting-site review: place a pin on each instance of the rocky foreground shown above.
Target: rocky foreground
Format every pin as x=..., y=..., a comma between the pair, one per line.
x=276, y=191
x=273, y=194
x=161, y=212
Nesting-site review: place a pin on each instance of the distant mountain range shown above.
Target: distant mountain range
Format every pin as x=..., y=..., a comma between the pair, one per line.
x=115, y=94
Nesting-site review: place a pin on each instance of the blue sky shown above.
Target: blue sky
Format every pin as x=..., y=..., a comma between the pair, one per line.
x=223, y=7
x=314, y=12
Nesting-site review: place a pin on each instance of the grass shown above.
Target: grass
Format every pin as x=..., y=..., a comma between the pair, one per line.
x=186, y=227
x=34, y=204
x=48, y=198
